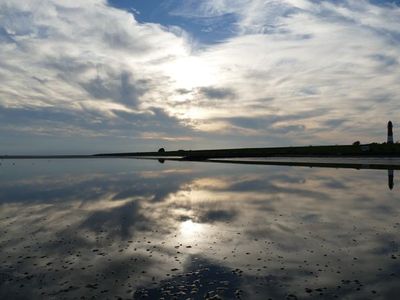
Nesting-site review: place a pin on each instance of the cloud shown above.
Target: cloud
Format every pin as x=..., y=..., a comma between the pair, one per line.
x=95, y=70
x=119, y=87
x=66, y=65
x=216, y=93
x=305, y=54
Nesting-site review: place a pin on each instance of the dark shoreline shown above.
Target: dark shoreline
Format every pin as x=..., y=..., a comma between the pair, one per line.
x=309, y=164
x=367, y=150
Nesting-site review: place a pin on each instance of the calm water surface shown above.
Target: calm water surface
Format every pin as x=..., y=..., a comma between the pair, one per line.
x=121, y=228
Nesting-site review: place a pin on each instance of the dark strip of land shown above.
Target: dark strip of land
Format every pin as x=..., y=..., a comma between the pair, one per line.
x=368, y=150
x=327, y=164
x=342, y=165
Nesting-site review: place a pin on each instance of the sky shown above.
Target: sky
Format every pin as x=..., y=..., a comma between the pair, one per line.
x=134, y=75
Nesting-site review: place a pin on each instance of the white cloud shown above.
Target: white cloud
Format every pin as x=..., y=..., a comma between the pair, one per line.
x=342, y=58
x=286, y=58
x=60, y=46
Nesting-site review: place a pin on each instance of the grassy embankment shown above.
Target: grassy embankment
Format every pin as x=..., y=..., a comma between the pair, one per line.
x=370, y=150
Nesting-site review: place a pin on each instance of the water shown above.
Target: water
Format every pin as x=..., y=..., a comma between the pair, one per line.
x=124, y=228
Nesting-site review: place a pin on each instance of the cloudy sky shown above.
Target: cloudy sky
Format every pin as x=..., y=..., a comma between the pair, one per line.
x=124, y=75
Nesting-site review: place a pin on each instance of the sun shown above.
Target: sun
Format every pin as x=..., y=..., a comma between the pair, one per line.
x=191, y=72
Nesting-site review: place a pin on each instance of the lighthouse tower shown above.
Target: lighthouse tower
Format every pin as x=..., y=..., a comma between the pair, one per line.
x=390, y=133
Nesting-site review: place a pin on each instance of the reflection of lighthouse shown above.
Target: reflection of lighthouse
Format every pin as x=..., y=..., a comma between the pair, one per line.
x=390, y=178
x=390, y=133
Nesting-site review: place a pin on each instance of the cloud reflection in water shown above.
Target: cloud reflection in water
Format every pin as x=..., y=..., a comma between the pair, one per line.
x=195, y=230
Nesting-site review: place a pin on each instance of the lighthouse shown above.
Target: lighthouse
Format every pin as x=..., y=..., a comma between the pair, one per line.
x=390, y=133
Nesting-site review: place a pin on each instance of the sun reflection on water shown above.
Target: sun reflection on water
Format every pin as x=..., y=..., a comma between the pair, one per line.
x=188, y=227
x=191, y=230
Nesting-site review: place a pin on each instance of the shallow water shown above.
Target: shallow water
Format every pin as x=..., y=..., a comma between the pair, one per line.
x=110, y=228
